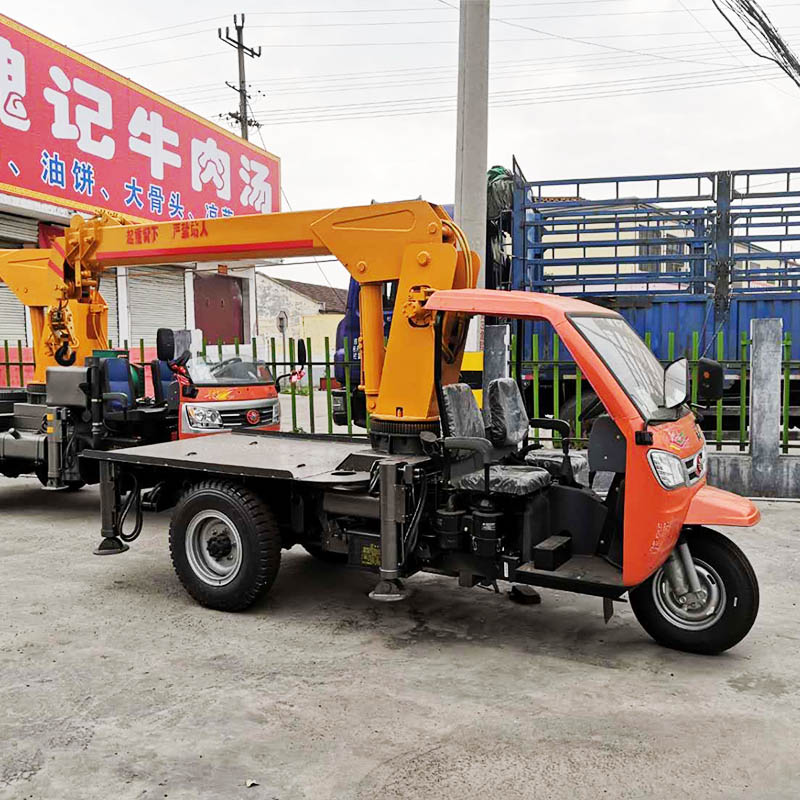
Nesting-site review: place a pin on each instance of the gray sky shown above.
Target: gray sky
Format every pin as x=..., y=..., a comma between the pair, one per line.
x=358, y=98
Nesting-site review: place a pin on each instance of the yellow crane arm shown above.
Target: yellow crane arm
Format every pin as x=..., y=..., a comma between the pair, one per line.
x=412, y=242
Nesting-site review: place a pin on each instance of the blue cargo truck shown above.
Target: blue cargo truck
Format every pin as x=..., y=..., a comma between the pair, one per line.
x=687, y=258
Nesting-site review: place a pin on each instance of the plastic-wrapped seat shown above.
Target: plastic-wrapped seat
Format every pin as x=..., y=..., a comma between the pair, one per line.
x=507, y=425
x=464, y=428
x=506, y=479
x=551, y=459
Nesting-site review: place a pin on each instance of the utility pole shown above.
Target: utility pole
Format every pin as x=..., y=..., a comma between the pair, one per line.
x=472, y=133
x=243, y=50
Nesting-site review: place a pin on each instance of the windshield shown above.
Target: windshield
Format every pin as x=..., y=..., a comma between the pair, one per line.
x=636, y=369
x=229, y=371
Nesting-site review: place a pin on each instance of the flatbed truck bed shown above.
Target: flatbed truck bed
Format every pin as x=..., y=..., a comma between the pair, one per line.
x=255, y=454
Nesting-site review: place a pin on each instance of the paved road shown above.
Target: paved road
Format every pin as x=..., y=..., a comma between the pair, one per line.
x=114, y=684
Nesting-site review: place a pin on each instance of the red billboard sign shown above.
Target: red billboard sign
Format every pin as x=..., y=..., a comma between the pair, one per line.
x=76, y=134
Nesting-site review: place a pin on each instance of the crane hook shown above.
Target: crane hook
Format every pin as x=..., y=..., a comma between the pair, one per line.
x=64, y=356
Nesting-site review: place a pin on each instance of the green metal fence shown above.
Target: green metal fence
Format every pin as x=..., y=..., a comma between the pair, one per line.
x=547, y=381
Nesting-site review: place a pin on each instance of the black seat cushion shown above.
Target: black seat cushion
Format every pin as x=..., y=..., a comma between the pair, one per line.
x=461, y=415
x=511, y=480
x=552, y=460
x=505, y=414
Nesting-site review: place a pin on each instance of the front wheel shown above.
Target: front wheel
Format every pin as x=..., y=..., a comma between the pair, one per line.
x=729, y=609
x=225, y=545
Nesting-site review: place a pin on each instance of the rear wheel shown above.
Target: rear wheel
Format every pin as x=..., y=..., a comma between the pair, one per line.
x=225, y=545
x=725, y=616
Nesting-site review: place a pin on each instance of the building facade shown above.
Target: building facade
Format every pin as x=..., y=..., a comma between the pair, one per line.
x=293, y=309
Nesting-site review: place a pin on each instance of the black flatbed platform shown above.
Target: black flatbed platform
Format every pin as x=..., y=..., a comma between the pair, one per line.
x=261, y=454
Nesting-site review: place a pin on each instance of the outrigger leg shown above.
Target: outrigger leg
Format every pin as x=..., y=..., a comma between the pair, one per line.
x=389, y=588
x=110, y=544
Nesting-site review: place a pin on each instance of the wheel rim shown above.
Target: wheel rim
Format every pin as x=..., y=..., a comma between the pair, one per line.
x=697, y=616
x=213, y=547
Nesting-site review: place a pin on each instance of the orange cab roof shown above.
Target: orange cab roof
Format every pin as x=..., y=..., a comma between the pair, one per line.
x=498, y=303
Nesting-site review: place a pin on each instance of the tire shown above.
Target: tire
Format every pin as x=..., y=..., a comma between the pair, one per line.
x=326, y=555
x=567, y=413
x=211, y=518
x=723, y=568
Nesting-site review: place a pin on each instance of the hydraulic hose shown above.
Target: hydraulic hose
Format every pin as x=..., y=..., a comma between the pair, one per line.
x=133, y=498
x=410, y=539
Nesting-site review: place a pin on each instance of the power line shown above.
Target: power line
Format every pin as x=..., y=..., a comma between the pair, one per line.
x=761, y=27
x=286, y=200
x=589, y=59
x=448, y=42
x=714, y=38
x=611, y=62
x=411, y=102
x=440, y=108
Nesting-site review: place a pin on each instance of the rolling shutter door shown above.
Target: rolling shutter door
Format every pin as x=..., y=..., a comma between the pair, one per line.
x=12, y=318
x=108, y=288
x=156, y=299
x=16, y=230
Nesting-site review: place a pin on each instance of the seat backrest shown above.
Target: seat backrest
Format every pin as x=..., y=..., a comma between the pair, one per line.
x=162, y=376
x=506, y=416
x=607, y=446
x=117, y=378
x=460, y=415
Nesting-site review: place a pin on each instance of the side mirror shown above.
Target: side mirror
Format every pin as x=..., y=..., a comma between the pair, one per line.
x=710, y=379
x=676, y=383
x=301, y=353
x=165, y=344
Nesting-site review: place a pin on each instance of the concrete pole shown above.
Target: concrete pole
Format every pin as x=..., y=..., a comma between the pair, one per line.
x=472, y=132
x=765, y=404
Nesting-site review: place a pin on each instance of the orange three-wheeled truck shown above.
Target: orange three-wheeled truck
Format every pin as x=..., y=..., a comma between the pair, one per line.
x=439, y=486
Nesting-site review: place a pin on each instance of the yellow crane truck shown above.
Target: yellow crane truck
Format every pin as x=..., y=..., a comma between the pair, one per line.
x=438, y=486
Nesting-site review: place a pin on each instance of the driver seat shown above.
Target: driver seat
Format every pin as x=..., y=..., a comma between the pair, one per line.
x=508, y=425
x=163, y=380
x=463, y=424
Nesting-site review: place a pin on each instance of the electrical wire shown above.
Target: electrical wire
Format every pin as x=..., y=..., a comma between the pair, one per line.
x=756, y=21
x=448, y=42
x=286, y=200
x=211, y=93
x=398, y=109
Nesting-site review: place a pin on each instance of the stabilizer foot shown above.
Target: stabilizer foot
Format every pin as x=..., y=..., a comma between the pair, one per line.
x=388, y=591
x=110, y=546
x=524, y=595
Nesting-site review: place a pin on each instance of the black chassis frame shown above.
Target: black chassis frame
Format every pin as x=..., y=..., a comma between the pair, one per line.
x=176, y=471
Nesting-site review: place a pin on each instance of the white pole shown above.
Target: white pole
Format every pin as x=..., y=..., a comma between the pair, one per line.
x=472, y=133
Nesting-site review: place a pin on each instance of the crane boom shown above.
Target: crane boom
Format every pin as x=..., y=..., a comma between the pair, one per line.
x=412, y=242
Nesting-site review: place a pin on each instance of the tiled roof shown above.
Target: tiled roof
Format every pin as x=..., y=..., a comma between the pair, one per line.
x=333, y=300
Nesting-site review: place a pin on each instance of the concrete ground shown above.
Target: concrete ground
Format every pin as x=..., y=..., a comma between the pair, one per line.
x=114, y=684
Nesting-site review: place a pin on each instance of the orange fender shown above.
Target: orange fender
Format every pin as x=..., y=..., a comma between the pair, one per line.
x=712, y=506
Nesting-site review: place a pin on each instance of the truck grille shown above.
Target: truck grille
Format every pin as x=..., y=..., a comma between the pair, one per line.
x=696, y=466
x=237, y=417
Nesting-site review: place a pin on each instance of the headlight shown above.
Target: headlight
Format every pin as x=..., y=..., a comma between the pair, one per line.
x=203, y=417
x=276, y=412
x=667, y=468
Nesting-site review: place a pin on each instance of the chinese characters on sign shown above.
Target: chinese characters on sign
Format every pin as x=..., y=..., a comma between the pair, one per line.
x=76, y=134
